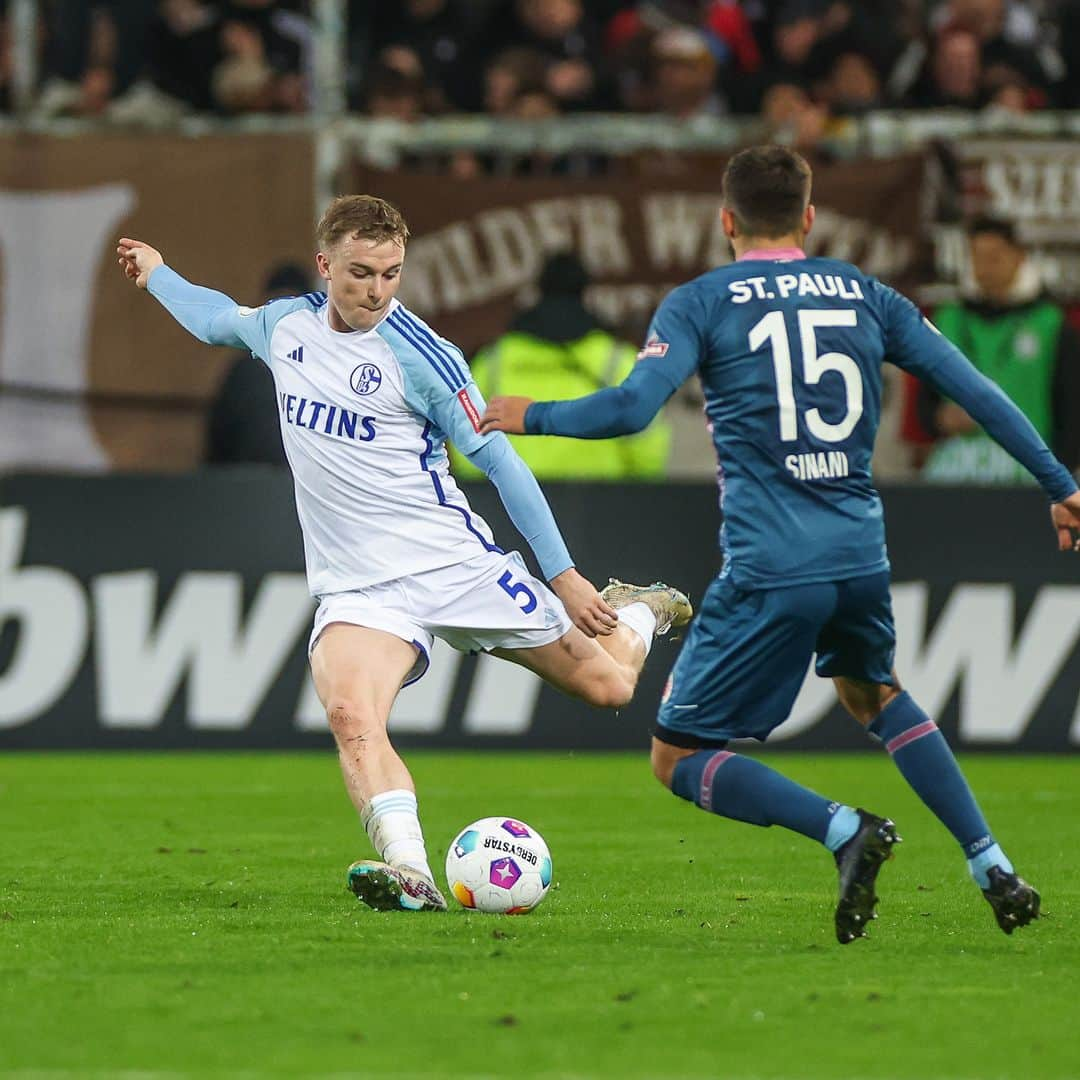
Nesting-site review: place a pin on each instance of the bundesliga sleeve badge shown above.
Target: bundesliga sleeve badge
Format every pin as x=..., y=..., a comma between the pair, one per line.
x=470, y=409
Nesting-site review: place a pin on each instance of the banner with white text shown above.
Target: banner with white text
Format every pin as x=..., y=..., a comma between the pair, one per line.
x=157, y=612
x=477, y=245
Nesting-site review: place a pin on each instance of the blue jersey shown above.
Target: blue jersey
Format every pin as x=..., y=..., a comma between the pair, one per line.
x=789, y=352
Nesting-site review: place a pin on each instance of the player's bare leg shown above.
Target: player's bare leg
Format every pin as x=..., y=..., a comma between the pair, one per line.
x=924, y=759
x=358, y=673
x=604, y=670
x=582, y=667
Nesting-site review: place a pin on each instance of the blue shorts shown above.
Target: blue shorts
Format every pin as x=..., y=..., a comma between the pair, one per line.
x=747, y=652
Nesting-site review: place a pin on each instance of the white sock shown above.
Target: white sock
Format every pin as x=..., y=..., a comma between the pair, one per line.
x=393, y=826
x=639, y=618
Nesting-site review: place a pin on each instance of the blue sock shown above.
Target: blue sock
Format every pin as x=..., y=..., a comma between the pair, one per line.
x=741, y=788
x=923, y=757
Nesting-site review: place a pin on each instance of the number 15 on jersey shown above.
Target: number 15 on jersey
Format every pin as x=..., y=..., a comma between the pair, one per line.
x=771, y=329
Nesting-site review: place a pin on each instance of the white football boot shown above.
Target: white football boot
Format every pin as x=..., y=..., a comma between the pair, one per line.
x=671, y=607
x=393, y=888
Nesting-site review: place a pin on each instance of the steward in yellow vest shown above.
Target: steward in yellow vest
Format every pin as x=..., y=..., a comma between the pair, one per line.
x=558, y=350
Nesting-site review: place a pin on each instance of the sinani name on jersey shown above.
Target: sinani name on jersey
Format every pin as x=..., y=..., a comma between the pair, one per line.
x=365, y=416
x=789, y=353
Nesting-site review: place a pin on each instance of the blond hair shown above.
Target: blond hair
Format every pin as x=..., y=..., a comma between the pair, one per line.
x=360, y=217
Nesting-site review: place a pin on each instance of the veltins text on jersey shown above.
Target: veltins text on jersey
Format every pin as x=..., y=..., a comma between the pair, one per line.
x=326, y=419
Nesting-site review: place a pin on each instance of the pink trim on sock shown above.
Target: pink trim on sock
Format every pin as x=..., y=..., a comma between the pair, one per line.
x=909, y=736
x=773, y=254
x=707, y=775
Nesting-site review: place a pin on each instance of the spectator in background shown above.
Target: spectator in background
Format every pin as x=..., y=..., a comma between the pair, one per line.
x=1009, y=94
x=1010, y=38
x=789, y=39
x=631, y=32
x=260, y=67
x=684, y=82
x=852, y=85
x=789, y=113
x=565, y=34
x=535, y=105
x=559, y=347
x=396, y=87
x=952, y=77
x=184, y=50
x=831, y=48
x=1018, y=337
x=242, y=426
x=980, y=52
x=232, y=57
x=435, y=32
x=510, y=74
x=89, y=60
x=516, y=87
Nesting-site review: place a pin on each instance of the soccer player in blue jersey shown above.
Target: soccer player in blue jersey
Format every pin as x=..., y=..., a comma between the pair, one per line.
x=789, y=352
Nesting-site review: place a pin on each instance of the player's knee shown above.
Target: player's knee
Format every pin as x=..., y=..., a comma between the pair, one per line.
x=664, y=757
x=663, y=764
x=612, y=691
x=865, y=701
x=350, y=718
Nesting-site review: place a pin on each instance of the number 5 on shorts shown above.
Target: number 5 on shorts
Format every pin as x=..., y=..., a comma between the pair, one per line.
x=514, y=589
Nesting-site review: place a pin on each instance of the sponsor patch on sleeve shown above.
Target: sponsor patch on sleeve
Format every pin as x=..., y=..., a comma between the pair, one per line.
x=653, y=347
x=470, y=409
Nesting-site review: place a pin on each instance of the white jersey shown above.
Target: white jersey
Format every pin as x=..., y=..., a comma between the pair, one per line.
x=365, y=416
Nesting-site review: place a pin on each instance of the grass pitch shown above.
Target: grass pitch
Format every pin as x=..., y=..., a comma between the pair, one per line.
x=186, y=914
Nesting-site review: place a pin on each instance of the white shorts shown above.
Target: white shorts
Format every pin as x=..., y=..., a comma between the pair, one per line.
x=489, y=602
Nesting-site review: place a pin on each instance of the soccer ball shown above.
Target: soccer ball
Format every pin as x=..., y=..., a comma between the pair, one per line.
x=499, y=865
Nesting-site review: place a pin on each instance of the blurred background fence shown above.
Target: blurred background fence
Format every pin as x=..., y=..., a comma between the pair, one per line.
x=93, y=378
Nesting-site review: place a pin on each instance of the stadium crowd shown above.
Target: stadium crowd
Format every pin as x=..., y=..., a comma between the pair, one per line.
x=800, y=63
x=804, y=66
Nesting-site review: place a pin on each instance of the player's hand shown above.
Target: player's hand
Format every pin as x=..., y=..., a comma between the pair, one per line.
x=506, y=414
x=138, y=260
x=1066, y=518
x=591, y=615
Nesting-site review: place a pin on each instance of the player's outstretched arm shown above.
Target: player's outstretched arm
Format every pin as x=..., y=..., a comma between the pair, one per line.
x=671, y=355
x=606, y=414
x=532, y=517
x=209, y=315
x=455, y=410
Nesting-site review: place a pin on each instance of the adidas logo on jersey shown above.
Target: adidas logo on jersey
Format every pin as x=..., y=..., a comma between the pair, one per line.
x=297, y=354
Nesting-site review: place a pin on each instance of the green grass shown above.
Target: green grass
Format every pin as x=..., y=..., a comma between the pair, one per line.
x=186, y=913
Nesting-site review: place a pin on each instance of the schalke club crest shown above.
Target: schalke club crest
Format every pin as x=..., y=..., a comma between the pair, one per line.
x=365, y=379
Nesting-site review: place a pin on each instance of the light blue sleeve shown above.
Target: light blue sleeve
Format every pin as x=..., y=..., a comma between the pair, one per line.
x=525, y=504
x=440, y=388
x=217, y=319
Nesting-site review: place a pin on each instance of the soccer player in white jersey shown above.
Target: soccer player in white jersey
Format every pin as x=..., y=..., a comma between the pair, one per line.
x=367, y=396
